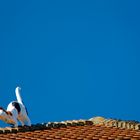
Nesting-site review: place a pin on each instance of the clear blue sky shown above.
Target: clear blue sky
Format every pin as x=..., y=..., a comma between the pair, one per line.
x=72, y=59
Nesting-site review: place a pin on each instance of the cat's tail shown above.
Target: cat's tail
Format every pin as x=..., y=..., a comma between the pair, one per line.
x=17, y=91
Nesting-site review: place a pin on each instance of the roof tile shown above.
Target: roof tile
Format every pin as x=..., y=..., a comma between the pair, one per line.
x=96, y=128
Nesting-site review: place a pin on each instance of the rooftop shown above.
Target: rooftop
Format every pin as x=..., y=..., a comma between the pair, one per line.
x=92, y=129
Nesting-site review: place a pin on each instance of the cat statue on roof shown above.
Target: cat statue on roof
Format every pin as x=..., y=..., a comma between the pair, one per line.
x=16, y=111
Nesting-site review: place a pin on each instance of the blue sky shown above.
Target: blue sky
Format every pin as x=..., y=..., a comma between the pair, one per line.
x=72, y=59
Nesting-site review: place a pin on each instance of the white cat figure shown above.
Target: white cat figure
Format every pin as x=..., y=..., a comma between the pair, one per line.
x=16, y=111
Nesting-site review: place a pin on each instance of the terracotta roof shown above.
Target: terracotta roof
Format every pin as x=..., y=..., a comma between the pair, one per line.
x=93, y=129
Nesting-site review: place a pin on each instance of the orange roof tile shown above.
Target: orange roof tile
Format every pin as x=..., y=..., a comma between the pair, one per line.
x=75, y=130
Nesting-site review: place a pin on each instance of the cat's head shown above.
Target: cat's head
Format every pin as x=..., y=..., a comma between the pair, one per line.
x=2, y=113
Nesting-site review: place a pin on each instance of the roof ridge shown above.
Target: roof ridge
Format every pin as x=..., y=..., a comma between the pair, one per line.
x=43, y=126
x=126, y=124
x=97, y=121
